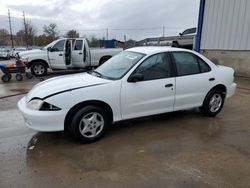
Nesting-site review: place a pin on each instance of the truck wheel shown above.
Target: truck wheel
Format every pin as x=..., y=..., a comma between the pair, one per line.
x=38, y=69
x=89, y=124
x=175, y=44
x=103, y=60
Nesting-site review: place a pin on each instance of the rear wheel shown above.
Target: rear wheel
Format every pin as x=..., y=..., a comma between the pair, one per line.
x=103, y=60
x=89, y=124
x=38, y=69
x=19, y=77
x=175, y=44
x=213, y=103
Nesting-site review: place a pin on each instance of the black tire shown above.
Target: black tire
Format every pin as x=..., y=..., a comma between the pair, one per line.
x=175, y=44
x=103, y=60
x=5, y=78
x=39, y=69
x=76, y=124
x=19, y=77
x=9, y=76
x=28, y=75
x=208, y=109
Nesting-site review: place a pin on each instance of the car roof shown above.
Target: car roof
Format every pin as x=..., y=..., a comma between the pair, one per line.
x=148, y=50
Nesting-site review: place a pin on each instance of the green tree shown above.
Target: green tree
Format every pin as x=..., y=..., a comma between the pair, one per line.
x=94, y=42
x=42, y=40
x=51, y=31
x=26, y=35
x=4, y=36
x=72, y=34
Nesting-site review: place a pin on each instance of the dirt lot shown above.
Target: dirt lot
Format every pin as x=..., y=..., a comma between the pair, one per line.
x=181, y=149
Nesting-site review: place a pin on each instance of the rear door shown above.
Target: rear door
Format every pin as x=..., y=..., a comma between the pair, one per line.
x=194, y=78
x=86, y=54
x=77, y=53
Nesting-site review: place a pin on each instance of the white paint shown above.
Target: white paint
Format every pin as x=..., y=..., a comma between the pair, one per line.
x=127, y=100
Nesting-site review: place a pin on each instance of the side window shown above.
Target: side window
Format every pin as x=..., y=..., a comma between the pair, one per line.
x=59, y=46
x=186, y=63
x=203, y=65
x=78, y=45
x=155, y=67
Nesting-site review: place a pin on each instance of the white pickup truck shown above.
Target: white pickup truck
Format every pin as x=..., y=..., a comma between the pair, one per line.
x=63, y=54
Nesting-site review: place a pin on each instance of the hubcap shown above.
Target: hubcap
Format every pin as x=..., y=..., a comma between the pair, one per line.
x=39, y=69
x=215, y=103
x=91, y=124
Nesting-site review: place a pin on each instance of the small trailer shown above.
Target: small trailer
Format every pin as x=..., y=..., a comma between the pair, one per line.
x=18, y=68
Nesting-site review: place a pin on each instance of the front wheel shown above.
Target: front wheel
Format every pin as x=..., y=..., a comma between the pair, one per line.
x=213, y=103
x=38, y=69
x=89, y=124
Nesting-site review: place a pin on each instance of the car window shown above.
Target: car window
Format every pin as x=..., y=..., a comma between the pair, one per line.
x=155, y=67
x=203, y=65
x=189, y=31
x=186, y=63
x=59, y=46
x=78, y=45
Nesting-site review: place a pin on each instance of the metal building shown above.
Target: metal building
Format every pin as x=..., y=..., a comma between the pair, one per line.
x=224, y=33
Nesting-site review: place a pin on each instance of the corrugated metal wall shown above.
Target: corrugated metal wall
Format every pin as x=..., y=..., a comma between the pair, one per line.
x=226, y=25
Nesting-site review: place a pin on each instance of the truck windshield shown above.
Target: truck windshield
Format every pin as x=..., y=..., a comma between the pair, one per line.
x=50, y=45
x=116, y=67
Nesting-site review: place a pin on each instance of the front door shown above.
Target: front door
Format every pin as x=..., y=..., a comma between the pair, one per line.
x=56, y=55
x=154, y=94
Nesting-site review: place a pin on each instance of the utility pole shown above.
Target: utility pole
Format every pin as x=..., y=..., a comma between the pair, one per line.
x=125, y=41
x=11, y=36
x=107, y=33
x=163, y=31
x=25, y=29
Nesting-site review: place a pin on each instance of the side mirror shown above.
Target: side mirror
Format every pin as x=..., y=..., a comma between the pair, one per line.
x=49, y=49
x=136, y=77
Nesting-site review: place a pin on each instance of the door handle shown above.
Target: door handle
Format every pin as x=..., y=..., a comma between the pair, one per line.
x=169, y=85
x=211, y=79
x=80, y=53
x=60, y=54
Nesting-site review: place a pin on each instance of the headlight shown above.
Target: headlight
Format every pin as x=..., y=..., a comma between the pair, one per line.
x=35, y=104
x=38, y=104
x=24, y=59
x=48, y=107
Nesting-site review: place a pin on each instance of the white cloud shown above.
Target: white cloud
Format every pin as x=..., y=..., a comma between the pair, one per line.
x=83, y=15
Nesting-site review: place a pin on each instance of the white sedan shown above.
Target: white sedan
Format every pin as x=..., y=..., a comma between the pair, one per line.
x=137, y=82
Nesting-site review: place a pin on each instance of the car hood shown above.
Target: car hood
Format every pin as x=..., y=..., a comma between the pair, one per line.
x=31, y=52
x=63, y=84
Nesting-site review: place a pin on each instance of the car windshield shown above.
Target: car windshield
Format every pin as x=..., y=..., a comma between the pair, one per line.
x=116, y=67
x=20, y=49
